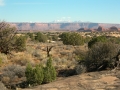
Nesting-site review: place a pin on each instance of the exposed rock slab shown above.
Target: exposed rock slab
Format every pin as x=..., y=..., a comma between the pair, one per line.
x=104, y=80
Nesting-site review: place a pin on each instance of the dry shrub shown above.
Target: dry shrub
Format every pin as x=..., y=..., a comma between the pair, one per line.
x=30, y=49
x=23, y=58
x=3, y=58
x=10, y=72
x=80, y=69
x=2, y=87
x=6, y=80
x=38, y=55
x=63, y=53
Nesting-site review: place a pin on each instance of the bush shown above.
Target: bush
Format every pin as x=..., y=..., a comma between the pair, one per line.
x=12, y=71
x=96, y=39
x=72, y=39
x=80, y=69
x=55, y=38
x=31, y=35
x=7, y=34
x=22, y=59
x=100, y=56
x=9, y=41
x=20, y=43
x=49, y=72
x=40, y=74
x=41, y=37
x=29, y=74
x=2, y=87
x=3, y=57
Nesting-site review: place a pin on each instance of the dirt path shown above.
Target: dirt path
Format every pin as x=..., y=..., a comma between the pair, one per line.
x=104, y=80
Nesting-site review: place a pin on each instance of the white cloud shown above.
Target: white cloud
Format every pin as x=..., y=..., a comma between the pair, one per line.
x=1, y=2
x=63, y=19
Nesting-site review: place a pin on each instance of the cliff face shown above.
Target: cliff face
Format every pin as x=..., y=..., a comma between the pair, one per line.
x=60, y=26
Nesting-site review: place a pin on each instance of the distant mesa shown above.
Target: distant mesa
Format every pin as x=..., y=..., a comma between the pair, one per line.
x=81, y=29
x=81, y=26
x=100, y=28
x=84, y=30
x=113, y=28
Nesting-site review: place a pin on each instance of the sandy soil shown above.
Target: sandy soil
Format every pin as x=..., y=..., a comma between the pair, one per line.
x=104, y=80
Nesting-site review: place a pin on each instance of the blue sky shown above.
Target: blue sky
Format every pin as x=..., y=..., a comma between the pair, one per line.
x=102, y=11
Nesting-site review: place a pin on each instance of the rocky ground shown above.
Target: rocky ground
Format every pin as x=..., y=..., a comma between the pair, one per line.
x=103, y=80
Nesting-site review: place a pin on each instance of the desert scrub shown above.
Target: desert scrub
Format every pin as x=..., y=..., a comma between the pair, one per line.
x=23, y=58
x=2, y=87
x=63, y=53
x=0, y=62
x=10, y=72
x=30, y=49
x=69, y=47
x=100, y=56
x=80, y=69
x=39, y=74
x=38, y=55
x=3, y=58
x=70, y=55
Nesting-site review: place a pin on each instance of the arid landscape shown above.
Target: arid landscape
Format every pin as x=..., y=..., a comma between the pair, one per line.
x=104, y=80
x=59, y=45
x=70, y=53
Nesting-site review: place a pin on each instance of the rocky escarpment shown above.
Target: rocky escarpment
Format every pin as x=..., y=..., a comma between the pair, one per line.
x=60, y=26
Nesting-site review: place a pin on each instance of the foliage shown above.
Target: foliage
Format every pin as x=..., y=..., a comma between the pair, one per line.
x=87, y=39
x=9, y=40
x=100, y=56
x=3, y=58
x=0, y=61
x=80, y=69
x=49, y=72
x=2, y=87
x=31, y=35
x=9, y=73
x=29, y=74
x=96, y=39
x=20, y=43
x=41, y=37
x=72, y=39
x=114, y=40
x=55, y=38
x=40, y=74
x=7, y=34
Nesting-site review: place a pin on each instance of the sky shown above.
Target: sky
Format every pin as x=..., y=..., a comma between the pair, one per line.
x=97, y=11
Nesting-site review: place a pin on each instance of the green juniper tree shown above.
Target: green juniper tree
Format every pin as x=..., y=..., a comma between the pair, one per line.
x=29, y=74
x=38, y=74
x=72, y=39
x=49, y=71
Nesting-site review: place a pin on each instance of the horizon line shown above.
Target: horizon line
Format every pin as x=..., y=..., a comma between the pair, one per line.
x=62, y=22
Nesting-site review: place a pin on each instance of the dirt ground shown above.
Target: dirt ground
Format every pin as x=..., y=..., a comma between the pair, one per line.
x=103, y=80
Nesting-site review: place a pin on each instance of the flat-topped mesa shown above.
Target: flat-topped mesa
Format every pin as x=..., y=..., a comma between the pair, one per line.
x=113, y=28
x=100, y=28
x=65, y=26
x=84, y=30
